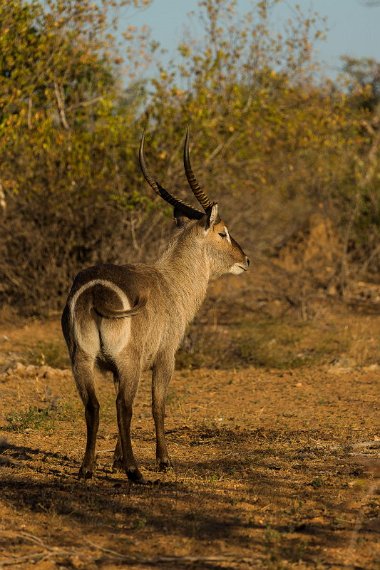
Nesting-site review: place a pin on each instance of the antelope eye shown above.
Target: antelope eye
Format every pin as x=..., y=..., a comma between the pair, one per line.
x=222, y=234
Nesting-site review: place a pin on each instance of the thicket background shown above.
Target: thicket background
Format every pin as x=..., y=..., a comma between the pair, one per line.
x=290, y=156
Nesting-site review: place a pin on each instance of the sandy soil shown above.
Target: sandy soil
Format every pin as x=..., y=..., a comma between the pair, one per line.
x=273, y=469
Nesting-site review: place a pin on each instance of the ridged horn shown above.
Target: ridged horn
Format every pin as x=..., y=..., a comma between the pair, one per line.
x=186, y=209
x=200, y=195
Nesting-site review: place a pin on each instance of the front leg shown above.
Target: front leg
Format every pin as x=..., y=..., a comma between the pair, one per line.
x=117, y=464
x=162, y=372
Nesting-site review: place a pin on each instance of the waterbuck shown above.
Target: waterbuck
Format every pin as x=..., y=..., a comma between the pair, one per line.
x=126, y=319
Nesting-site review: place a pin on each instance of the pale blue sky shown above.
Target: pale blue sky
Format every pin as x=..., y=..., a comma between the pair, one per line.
x=354, y=29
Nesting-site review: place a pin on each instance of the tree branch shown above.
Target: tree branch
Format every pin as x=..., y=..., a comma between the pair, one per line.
x=61, y=106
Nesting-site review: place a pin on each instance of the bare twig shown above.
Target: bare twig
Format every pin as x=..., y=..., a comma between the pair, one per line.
x=30, y=105
x=133, y=236
x=61, y=105
x=46, y=554
x=221, y=147
x=35, y=539
x=371, y=256
x=188, y=560
x=49, y=552
x=3, y=203
x=106, y=550
x=84, y=103
x=31, y=558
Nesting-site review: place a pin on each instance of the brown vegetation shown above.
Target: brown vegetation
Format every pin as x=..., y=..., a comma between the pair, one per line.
x=272, y=133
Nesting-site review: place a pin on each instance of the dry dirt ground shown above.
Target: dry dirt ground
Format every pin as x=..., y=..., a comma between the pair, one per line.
x=273, y=469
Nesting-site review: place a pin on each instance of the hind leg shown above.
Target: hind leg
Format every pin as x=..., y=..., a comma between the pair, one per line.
x=83, y=370
x=117, y=464
x=128, y=376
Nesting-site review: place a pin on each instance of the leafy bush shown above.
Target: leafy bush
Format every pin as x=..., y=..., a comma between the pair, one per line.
x=271, y=139
x=68, y=150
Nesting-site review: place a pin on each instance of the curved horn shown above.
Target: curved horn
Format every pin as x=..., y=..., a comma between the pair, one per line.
x=186, y=209
x=197, y=190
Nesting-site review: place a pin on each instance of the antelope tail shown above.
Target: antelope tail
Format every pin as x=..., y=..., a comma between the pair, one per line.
x=108, y=313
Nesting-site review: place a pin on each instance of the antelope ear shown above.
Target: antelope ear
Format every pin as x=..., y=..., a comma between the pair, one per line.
x=212, y=216
x=180, y=218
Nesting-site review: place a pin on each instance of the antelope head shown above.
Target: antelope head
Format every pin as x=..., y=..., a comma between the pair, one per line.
x=224, y=253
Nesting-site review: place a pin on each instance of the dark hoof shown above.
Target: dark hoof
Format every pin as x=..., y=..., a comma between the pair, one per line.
x=85, y=472
x=117, y=465
x=164, y=465
x=147, y=482
x=142, y=481
x=135, y=476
